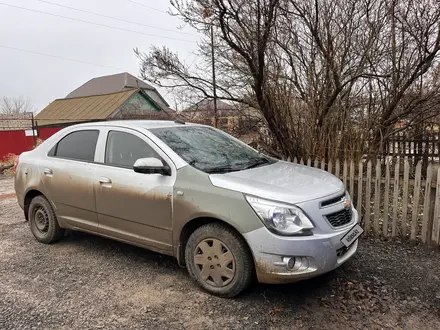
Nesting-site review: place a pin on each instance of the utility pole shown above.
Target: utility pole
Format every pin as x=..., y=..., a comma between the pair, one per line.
x=33, y=129
x=214, y=89
x=207, y=14
x=33, y=126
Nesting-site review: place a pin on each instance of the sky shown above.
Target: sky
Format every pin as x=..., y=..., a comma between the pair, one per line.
x=26, y=33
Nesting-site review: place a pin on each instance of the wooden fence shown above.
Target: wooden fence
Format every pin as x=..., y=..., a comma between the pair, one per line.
x=428, y=146
x=391, y=204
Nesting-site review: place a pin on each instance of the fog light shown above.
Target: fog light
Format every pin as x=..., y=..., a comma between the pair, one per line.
x=289, y=262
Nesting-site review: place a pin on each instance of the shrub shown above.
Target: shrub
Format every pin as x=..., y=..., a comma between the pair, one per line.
x=8, y=163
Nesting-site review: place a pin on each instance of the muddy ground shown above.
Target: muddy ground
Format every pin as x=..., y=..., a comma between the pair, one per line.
x=86, y=282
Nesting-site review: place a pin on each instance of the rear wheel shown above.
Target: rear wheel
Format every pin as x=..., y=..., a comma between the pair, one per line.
x=43, y=221
x=219, y=260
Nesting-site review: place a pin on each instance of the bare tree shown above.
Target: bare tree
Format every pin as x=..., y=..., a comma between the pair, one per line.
x=329, y=76
x=15, y=106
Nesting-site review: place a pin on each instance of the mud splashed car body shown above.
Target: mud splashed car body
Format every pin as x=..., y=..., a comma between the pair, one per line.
x=224, y=210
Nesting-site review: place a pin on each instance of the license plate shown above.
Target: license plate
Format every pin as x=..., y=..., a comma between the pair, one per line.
x=352, y=235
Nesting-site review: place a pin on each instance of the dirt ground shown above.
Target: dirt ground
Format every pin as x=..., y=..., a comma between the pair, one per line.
x=86, y=282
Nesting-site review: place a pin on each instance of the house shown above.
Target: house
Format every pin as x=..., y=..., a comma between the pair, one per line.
x=119, y=96
x=242, y=121
x=230, y=116
x=205, y=109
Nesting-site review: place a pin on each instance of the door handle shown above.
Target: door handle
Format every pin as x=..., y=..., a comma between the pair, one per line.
x=47, y=171
x=103, y=179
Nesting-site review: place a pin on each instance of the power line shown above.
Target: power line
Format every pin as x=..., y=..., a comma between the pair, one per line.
x=146, y=6
x=113, y=18
x=60, y=57
x=93, y=23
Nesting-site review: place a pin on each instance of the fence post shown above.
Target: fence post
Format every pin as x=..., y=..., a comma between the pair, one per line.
x=386, y=200
x=37, y=129
x=360, y=181
x=436, y=217
x=405, y=197
x=309, y=162
x=395, y=198
x=338, y=168
x=34, y=137
x=323, y=164
x=329, y=167
x=344, y=173
x=415, y=215
x=367, y=198
x=377, y=197
x=316, y=163
x=428, y=207
x=351, y=178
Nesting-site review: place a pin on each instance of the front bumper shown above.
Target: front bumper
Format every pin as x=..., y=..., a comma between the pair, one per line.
x=314, y=255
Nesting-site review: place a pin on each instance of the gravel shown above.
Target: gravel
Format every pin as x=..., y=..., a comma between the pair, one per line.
x=85, y=282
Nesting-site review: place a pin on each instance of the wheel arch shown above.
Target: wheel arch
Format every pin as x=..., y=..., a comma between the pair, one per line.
x=30, y=195
x=195, y=223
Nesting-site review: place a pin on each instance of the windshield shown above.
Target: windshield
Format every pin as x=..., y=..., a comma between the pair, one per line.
x=209, y=150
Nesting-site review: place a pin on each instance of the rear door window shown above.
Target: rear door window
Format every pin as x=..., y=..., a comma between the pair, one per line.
x=79, y=145
x=124, y=149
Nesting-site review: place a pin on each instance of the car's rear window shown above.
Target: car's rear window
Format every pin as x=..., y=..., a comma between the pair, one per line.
x=79, y=145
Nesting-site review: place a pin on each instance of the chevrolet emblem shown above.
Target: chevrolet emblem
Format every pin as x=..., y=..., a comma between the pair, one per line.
x=347, y=204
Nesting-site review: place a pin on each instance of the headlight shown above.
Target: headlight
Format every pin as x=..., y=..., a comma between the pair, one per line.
x=284, y=219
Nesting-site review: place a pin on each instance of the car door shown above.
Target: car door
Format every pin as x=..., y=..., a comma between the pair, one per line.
x=68, y=175
x=132, y=206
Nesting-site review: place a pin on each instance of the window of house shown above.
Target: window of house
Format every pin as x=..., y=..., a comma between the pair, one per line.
x=79, y=145
x=123, y=149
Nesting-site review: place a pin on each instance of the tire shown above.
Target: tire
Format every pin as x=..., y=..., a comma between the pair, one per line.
x=229, y=271
x=43, y=221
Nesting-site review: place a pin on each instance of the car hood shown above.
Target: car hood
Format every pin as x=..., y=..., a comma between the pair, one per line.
x=281, y=181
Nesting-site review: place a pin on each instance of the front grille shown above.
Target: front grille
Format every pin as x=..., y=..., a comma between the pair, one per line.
x=332, y=201
x=339, y=218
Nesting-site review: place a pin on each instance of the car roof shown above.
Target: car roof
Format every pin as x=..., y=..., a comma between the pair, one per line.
x=147, y=124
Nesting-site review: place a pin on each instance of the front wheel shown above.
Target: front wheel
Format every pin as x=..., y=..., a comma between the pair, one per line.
x=219, y=260
x=43, y=221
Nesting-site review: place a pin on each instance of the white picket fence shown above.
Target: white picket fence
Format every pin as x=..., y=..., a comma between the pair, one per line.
x=391, y=203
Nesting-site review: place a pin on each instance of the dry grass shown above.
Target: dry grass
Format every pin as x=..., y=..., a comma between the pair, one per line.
x=8, y=160
x=11, y=158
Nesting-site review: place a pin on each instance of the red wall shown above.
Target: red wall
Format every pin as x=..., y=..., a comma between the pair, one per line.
x=17, y=142
x=47, y=132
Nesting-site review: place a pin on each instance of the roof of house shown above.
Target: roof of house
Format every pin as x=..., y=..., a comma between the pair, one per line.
x=116, y=83
x=86, y=108
x=109, y=84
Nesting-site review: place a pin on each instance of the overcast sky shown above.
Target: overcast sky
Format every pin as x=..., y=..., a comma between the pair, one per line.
x=42, y=79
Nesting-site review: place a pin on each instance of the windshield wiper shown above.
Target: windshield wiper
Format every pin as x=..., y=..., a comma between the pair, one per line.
x=221, y=169
x=257, y=162
x=192, y=162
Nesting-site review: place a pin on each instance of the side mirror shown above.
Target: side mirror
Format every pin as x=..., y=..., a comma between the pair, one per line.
x=151, y=166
